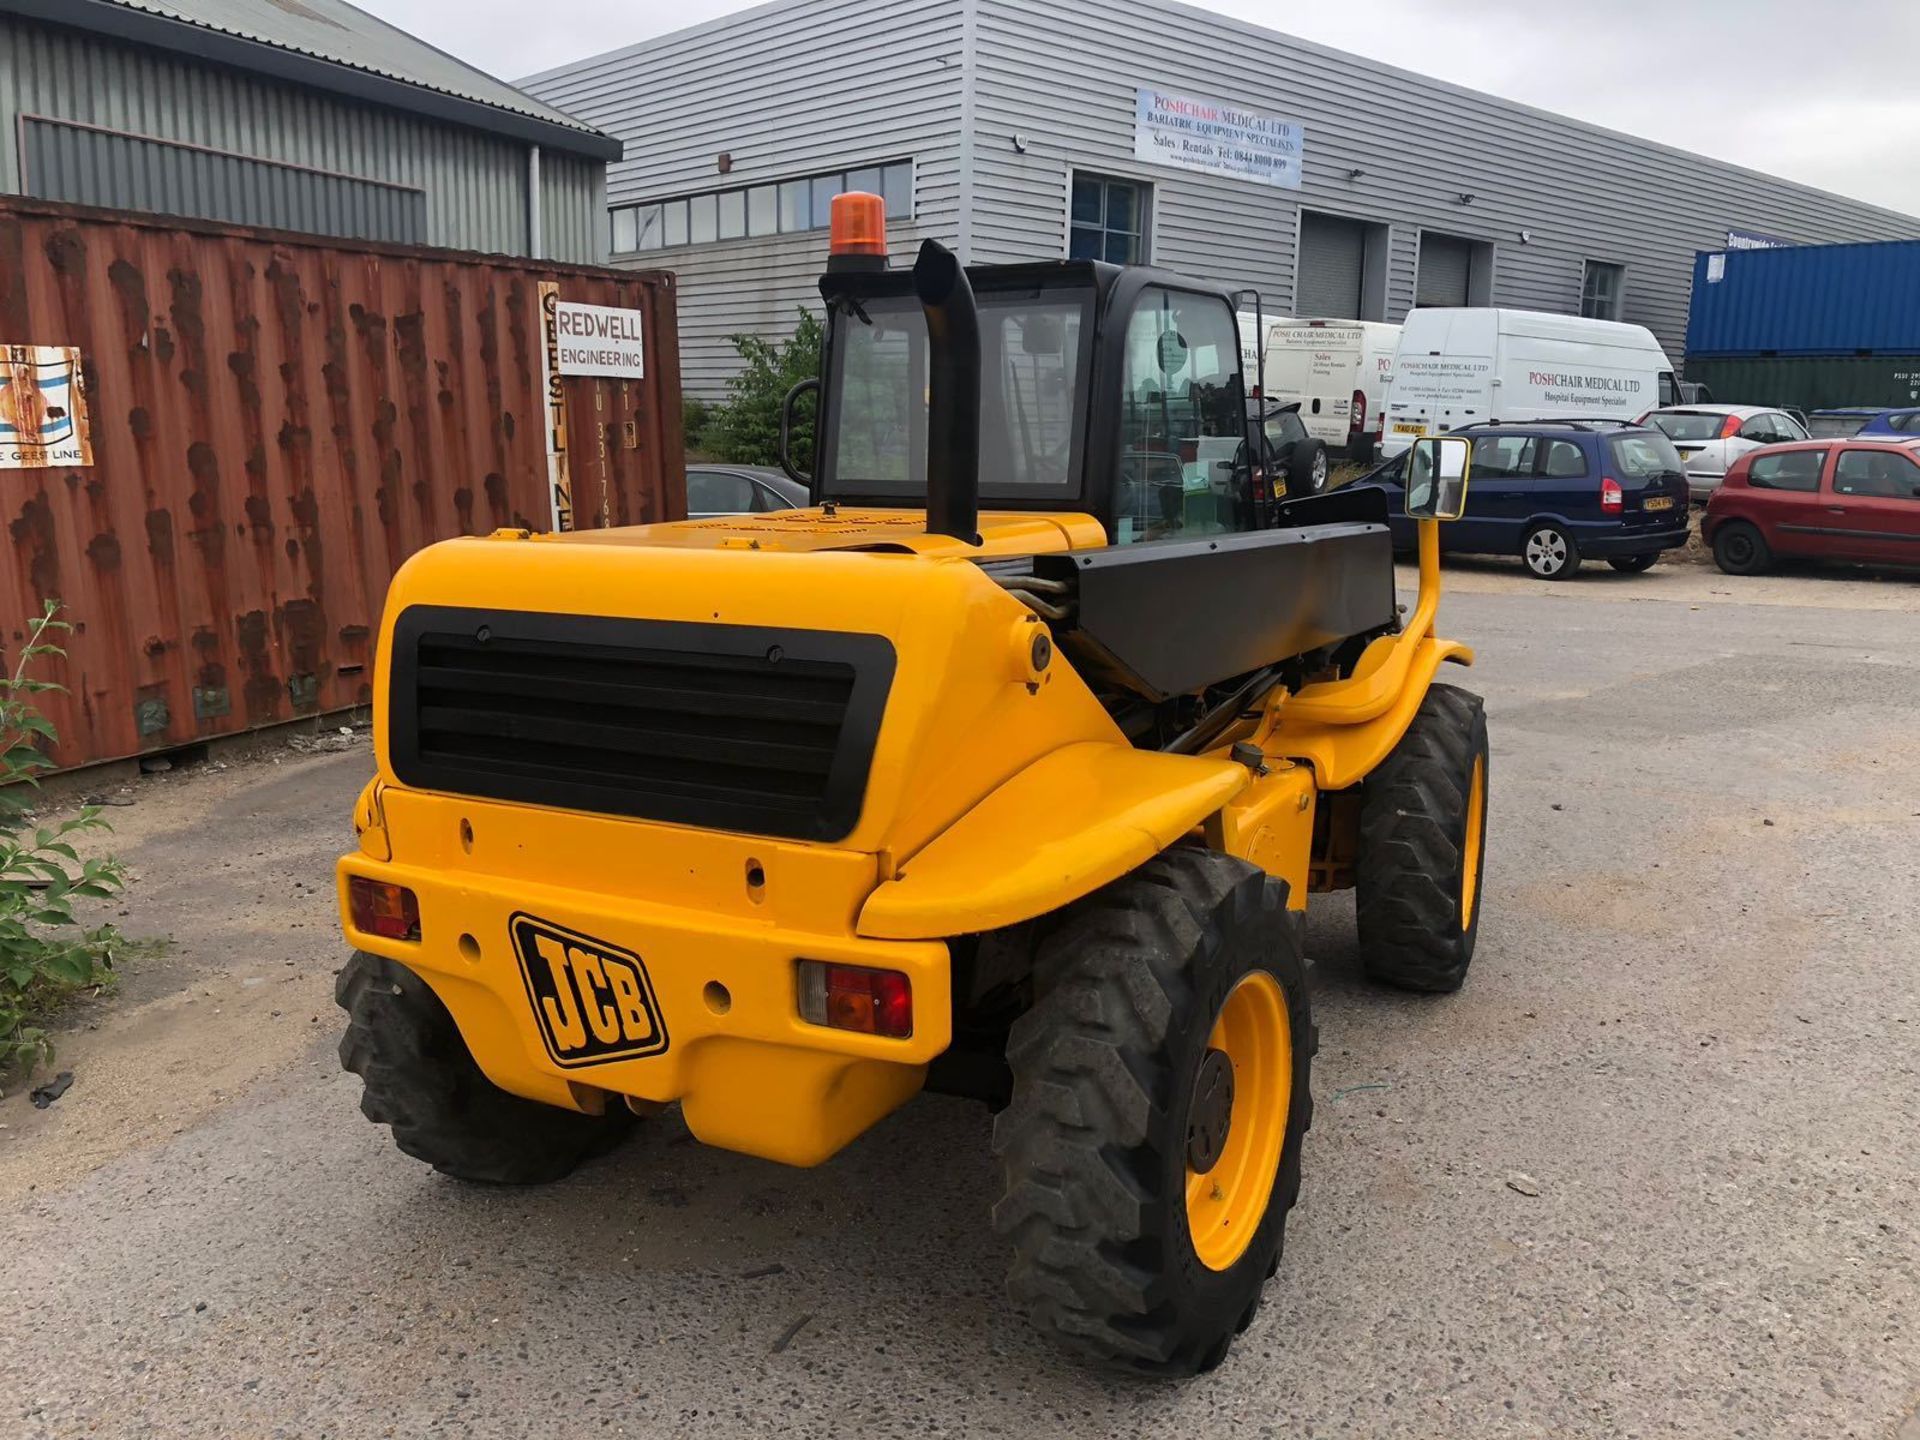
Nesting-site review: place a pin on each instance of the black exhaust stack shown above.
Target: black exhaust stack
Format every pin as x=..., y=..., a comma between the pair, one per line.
x=953, y=393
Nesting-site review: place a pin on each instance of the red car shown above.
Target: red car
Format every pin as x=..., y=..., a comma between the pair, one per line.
x=1852, y=499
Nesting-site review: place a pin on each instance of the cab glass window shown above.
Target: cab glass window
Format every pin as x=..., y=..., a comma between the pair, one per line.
x=1790, y=470
x=1033, y=359
x=1183, y=420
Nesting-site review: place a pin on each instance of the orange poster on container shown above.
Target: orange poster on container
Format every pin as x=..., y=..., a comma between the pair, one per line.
x=43, y=408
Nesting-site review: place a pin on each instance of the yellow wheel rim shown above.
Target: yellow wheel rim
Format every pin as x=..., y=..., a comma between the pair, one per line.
x=1470, y=849
x=1226, y=1204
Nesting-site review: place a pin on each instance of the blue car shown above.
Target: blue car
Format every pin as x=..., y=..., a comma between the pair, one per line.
x=1893, y=422
x=1845, y=421
x=1556, y=492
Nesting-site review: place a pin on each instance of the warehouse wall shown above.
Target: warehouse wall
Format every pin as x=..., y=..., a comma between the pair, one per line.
x=474, y=186
x=785, y=90
x=1062, y=73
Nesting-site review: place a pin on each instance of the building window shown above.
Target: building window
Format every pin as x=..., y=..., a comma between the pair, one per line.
x=1109, y=220
x=1600, y=291
x=781, y=208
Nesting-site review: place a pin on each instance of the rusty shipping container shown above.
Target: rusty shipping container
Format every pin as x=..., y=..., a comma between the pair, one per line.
x=276, y=422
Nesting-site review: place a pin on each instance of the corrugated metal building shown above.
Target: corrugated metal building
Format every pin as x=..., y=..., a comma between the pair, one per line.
x=1009, y=129
x=303, y=115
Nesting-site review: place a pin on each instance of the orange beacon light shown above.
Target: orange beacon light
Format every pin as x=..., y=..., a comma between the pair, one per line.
x=857, y=238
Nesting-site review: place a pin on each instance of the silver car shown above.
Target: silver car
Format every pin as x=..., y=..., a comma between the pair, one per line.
x=1711, y=437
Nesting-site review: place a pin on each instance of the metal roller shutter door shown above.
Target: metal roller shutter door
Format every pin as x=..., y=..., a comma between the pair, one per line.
x=1328, y=282
x=1444, y=265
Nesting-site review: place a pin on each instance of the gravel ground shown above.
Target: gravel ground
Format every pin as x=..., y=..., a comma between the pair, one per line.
x=1693, y=1028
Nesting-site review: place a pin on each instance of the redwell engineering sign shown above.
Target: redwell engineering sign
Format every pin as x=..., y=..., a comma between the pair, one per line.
x=598, y=340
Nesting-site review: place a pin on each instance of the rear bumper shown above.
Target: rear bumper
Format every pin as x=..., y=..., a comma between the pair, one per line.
x=730, y=1046
x=1606, y=544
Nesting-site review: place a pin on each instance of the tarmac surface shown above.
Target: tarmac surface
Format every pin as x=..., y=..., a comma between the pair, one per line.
x=1692, y=1027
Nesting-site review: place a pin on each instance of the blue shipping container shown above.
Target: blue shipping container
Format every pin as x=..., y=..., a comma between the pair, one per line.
x=1807, y=300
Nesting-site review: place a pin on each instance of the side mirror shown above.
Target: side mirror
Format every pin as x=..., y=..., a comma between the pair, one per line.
x=787, y=407
x=1437, y=470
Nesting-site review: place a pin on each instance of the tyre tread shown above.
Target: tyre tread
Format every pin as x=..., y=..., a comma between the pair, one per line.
x=419, y=1078
x=1083, y=1203
x=1412, y=824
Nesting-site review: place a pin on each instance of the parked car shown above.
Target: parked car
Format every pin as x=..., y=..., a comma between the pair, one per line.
x=1711, y=437
x=1556, y=492
x=1459, y=367
x=1892, y=422
x=1695, y=394
x=1339, y=371
x=1856, y=499
x=1842, y=421
x=1288, y=452
x=740, y=490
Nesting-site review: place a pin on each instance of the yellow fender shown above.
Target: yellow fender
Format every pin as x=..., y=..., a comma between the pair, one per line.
x=1342, y=751
x=1067, y=824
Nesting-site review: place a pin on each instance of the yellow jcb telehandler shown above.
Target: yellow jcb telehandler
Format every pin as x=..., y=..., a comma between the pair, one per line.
x=1005, y=770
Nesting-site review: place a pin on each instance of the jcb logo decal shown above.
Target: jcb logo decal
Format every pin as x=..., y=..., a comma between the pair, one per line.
x=593, y=1000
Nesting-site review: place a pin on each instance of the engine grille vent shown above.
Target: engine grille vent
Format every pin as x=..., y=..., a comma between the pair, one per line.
x=725, y=727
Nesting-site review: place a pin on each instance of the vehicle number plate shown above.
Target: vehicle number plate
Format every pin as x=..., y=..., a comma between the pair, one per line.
x=1405, y=429
x=1659, y=502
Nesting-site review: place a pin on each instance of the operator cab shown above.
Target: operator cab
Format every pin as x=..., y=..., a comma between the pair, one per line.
x=1106, y=391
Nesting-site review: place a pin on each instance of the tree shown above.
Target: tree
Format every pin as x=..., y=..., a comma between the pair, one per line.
x=746, y=429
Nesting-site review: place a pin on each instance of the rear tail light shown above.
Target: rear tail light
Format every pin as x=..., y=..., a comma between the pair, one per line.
x=1359, y=421
x=852, y=997
x=1612, y=499
x=1641, y=418
x=380, y=908
x=1729, y=428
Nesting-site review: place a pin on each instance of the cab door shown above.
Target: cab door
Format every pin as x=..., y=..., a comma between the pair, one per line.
x=1874, y=505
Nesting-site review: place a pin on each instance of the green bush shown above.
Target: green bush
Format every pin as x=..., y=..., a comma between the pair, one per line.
x=746, y=429
x=46, y=953
x=695, y=416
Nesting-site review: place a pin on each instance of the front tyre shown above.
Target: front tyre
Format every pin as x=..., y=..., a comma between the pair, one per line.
x=1160, y=1095
x=1423, y=825
x=421, y=1079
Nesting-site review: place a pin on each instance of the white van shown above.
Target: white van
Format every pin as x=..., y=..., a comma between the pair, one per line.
x=1250, y=345
x=1339, y=371
x=1476, y=366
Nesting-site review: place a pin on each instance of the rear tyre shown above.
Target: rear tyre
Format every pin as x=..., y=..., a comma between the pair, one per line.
x=421, y=1079
x=1633, y=564
x=1740, y=549
x=1307, y=469
x=1423, y=824
x=1152, y=1148
x=1550, y=553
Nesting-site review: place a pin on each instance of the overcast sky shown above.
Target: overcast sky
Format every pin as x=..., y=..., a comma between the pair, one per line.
x=1828, y=94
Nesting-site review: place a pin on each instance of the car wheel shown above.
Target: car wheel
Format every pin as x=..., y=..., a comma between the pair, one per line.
x=1307, y=469
x=1550, y=552
x=1739, y=549
x=1633, y=564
